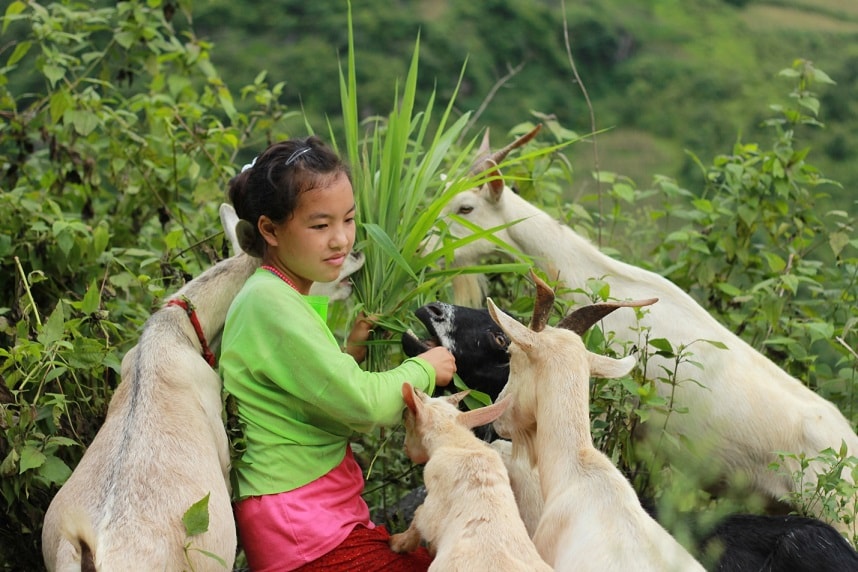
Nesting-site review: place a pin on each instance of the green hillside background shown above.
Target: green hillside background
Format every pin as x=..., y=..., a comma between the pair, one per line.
x=665, y=77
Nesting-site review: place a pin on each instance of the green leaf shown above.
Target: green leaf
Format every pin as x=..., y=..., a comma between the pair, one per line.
x=13, y=9
x=729, y=289
x=838, y=241
x=662, y=344
x=383, y=241
x=54, y=470
x=196, y=518
x=53, y=73
x=92, y=299
x=52, y=330
x=20, y=51
x=31, y=458
x=820, y=330
x=84, y=121
x=776, y=263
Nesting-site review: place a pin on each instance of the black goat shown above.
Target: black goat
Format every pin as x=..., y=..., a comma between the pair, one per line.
x=779, y=544
x=477, y=343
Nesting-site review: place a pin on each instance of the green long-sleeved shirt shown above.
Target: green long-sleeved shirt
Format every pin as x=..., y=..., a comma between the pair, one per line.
x=299, y=397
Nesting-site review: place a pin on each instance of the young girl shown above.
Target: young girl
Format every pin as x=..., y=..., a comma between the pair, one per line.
x=300, y=398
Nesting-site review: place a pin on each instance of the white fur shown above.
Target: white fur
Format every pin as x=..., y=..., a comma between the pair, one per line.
x=469, y=517
x=162, y=446
x=741, y=407
x=524, y=480
x=591, y=519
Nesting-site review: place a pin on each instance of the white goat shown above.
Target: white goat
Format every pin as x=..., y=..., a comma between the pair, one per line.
x=469, y=517
x=524, y=481
x=591, y=519
x=162, y=446
x=741, y=407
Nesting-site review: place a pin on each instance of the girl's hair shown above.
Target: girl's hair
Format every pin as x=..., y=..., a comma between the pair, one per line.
x=271, y=185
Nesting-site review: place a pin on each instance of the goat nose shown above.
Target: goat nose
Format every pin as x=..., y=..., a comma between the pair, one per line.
x=435, y=309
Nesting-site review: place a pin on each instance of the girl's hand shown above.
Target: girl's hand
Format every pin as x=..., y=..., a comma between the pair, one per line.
x=356, y=342
x=443, y=362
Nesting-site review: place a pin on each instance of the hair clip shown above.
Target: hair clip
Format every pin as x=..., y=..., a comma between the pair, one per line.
x=294, y=156
x=250, y=165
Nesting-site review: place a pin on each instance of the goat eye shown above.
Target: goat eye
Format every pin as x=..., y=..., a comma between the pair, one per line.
x=501, y=340
x=465, y=209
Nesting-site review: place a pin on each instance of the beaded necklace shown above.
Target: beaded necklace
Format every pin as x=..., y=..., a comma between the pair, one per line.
x=280, y=275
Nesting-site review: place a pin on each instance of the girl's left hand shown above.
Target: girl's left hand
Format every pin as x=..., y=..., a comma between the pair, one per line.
x=356, y=342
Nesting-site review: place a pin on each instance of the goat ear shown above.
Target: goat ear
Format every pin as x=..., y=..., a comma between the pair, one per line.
x=484, y=415
x=229, y=220
x=610, y=368
x=516, y=332
x=496, y=185
x=412, y=401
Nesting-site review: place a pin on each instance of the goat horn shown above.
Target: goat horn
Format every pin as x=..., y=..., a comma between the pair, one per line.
x=497, y=157
x=543, y=304
x=583, y=318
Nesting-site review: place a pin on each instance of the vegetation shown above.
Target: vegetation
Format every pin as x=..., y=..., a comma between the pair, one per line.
x=120, y=133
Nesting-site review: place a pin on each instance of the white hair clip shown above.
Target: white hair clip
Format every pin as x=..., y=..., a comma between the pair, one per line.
x=249, y=165
x=294, y=156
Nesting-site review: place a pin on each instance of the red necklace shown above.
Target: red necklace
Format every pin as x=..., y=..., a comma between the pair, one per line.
x=280, y=275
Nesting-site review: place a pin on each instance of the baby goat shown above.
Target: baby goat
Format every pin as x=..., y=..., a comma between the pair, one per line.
x=469, y=517
x=591, y=519
x=741, y=407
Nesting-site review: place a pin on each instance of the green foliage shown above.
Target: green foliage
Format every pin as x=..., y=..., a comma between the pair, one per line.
x=196, y=521
x=114, y=157
x=113, y=164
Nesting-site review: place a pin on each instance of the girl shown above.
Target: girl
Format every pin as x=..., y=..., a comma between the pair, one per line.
x=299, y=398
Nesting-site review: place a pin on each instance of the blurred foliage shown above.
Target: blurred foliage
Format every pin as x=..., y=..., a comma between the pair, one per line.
x=709, y=62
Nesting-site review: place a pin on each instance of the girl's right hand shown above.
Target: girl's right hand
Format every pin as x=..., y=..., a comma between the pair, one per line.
x=443, y=362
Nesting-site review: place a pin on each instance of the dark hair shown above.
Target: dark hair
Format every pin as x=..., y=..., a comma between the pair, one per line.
x=272, y=185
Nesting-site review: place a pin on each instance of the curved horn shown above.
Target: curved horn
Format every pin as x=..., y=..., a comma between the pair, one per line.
x=486, y=161
x=583, y=318
x=543, y=304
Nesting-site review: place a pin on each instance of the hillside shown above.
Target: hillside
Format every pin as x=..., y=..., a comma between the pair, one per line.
x=664, y=76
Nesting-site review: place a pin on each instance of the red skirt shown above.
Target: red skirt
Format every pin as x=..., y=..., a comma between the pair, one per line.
x=367, y=550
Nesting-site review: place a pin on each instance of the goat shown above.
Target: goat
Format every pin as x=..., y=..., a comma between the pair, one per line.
x=591, y=518
x=741, y=407
x=738, y=542
x=163, y=445
x=469, y=517
x=772, y=543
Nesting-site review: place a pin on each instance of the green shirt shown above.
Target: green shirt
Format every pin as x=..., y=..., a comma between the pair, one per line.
x=299, y=397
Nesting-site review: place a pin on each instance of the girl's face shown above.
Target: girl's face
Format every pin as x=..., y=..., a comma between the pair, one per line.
x=313, y=243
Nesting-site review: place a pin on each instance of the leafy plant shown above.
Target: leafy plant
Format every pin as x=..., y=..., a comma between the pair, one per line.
x=114, y=158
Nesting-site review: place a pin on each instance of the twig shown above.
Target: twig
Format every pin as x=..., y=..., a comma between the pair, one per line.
x=845, y=345
x=492, y=92
x=29, y=293
x=592, y=119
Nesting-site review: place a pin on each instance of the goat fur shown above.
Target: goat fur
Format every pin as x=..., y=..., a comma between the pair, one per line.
x=469, y=517
x=741, y=407
x=591, y=518
x=162, y=446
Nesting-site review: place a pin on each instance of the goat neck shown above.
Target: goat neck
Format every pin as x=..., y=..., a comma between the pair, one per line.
x=212, y=292
x=555, y=384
